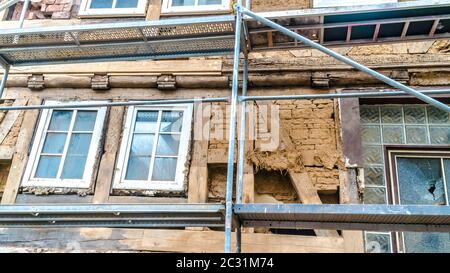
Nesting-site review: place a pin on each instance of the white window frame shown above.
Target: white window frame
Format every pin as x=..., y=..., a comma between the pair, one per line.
x=30, y=181
x=346, y=3
x=140, y=10
x=185, y=137
x=167, y=8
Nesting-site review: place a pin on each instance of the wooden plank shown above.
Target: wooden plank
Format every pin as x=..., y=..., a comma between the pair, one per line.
x=10, y=118
x=308, y=195
x=20, y=157
x=198, y=174
x=130, y=240
x=270, y=39
x=6, y=154
x=156, y=67
x=154, y=10
x=108, y=159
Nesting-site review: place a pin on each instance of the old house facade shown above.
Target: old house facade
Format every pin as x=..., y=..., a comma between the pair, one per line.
x=371, y=150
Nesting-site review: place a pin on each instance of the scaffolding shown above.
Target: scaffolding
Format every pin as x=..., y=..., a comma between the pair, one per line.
x=222, y=35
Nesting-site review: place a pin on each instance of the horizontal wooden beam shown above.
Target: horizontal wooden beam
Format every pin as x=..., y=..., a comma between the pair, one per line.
x=131, y=240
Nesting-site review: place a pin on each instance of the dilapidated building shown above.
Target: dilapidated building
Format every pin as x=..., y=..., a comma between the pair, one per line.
x=342, y=137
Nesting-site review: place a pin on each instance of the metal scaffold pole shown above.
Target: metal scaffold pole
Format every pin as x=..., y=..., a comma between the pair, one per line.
x=24, y=12
x=344, y=59
x=232, y=132
x=5, y=76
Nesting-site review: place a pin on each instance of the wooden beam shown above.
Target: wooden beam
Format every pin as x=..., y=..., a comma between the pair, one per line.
x=154, y=10
x=20, y=157
x=198, y=173
x=108, y=159
x=6, y=154
x=308, y=195
x=129, y=240
x=8, y=121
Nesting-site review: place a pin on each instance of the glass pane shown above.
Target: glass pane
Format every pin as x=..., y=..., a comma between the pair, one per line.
x=165, y=169
x=127, y=3
x=142, y=145
x=416, y=134
x=420, y=181
x=85, y=121
x=171, y=121
x=391, y=115
x=101, y=4
x=447, y=177
x=371, y=134
x=393, y=134
x=54, y=143
x=372, y=155
x=440, y=135
x=209, y=2
x=146, y=121
x=374, y=176
x=436, y=115
x=48, y=167
x=60, y=120
x=414, y=114
x=77, y=153
x=168, y=145
x=374, y=196
x=74, y=167
x=370, y=114
x=378, y=243
x=138, y=167
x=418, y=242
x=178, y=3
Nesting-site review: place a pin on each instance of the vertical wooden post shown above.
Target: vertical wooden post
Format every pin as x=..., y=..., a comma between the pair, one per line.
x=108, y=159
x=20, y=157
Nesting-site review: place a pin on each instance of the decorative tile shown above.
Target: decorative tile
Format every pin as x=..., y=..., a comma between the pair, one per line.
x=391, y=114
x=440, y=135
x=373, y=155
x=393, y=134
x=374, y=195
x=436, y=115
x=371, y=134
x=374, y=176
x=414, y=114
x=369, y=114
x=416, y=135
x=378, y=243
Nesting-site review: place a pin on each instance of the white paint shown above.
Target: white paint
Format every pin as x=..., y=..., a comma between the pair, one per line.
x=85, y=9
x=344, y=3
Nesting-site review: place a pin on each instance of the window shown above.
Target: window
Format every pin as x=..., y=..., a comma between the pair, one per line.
x=154, y=148
x=345, y=3
x=420, y=178
x=65, y=147
x=194, y=6
x=413, y=125
x=113, y=7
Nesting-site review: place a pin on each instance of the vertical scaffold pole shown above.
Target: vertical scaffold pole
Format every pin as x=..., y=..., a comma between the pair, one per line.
x=4, y=79
x=26, y=4
x=232, y=132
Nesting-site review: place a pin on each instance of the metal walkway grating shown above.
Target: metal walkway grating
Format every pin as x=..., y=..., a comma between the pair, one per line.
x=109, y=215
x=175, y=38
x=346, y=217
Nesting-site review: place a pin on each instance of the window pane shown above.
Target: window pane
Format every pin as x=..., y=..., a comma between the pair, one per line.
x=101, y=4
x=165, y=169
x=138, y=167
x=370, y=114
x=391, y=115
x=374, y=195
x=371, y=134
x=60, y=120
x=178, y=3
x=447, y=177
x=75, y=162
x=393, y=134
x=85, y=121
x=373, y=155
x=378, y=243
x=48, y=167
x=168, y=145
x=416, y=134
x=54, y=143
x=374, y=176
x=142, y=145
x=414, y=114
x=146, y=121
x=171, y=121
x=440, y=135
x=418, y=242
x=420, y=181
x=436, y=115
x=127, y=3
x=209, y=2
